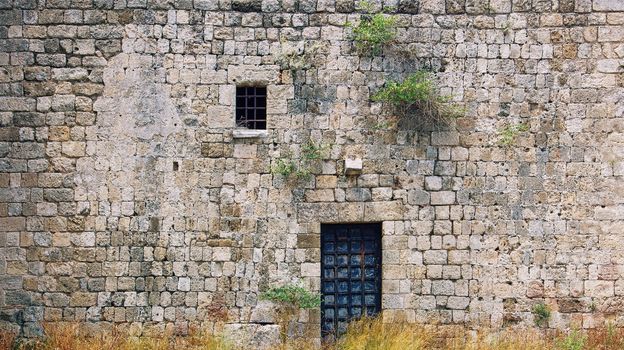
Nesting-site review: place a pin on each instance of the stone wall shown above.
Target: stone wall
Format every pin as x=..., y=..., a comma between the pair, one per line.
x=126, y=196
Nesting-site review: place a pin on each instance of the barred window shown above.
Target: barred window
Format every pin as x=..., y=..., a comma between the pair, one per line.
x=251, y=107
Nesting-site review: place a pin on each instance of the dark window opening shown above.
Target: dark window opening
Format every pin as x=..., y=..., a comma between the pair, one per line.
x=251, y=107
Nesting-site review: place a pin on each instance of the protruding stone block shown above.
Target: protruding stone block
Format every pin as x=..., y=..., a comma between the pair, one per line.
x=353, y=166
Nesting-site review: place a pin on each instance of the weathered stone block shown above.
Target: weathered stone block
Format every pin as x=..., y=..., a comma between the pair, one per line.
x=8, y=103
x=599, y=289
x=608, y=5
x=383, y=211
x=442, y=198
x=261, y=337
x=82, y=299
x=247, y=5
x=438, y=257
x=418, y=197
x=310, y=270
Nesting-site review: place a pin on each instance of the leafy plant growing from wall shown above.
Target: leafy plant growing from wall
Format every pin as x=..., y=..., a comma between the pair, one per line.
x=284, y=167
x=302, y=168
x=541, y=314
x=290, y=299
x=417, y=101
x=509, y=134
x=374, y=31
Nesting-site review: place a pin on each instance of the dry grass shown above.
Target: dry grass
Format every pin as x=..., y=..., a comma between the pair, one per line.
x=366, y=334
x=7, y=339
x=73, y=336
x=375, y=334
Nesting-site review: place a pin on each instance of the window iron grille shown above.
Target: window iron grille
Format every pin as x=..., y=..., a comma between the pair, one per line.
x=251, y=107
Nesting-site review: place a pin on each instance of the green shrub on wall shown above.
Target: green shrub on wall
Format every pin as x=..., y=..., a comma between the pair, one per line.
x=294, y=295
x=374, y=31
x=541, y=314
x=416, y=99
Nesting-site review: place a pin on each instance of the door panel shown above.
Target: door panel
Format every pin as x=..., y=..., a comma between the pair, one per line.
x=350, y=274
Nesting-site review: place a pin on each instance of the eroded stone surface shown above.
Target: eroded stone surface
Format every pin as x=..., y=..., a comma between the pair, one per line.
x=127, y=195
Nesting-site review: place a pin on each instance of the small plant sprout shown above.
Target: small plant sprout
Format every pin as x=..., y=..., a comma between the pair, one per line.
x=541, y=314
x=509, y=134
x=374, y=31
x=383, y=125
x=417, y=99
x=311, y=151
x=301, y=167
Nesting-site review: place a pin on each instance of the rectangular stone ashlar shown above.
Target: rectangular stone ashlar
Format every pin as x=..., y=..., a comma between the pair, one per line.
x=353, y=166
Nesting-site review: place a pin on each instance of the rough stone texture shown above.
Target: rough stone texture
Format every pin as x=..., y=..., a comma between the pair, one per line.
x=127, y=197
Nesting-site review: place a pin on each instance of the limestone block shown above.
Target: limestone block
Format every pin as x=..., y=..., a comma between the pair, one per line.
x=254, y=336
x=219, y=117
x=227, y=95
x=16, y=103
x=442, y=287
x=330, y=212
x=184, y=284
x=599, y=289
x=535, y=289
x=247, y=74
x=310, y=269
x=326, y=181
x=245, y=151
x=69, y=73
x=353, y=166
x=457, y=303
x=81, y=299
x=608, y=5
x=221, y=254
x=418, y=197
x=392, y=301
x=358, y=194
x=264, y=313
x=442, y=198
x=73, y=149
x=611, y=33
x=435, y=257
x=383, y=211
x=322, y=195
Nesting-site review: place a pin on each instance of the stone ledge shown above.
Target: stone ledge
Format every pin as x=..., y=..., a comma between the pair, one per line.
x=249, y=133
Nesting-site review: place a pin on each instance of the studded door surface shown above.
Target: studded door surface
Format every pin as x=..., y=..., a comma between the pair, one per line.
x=350, y=275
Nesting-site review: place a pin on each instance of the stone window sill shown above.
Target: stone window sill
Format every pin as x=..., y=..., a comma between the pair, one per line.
x=249, y=133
